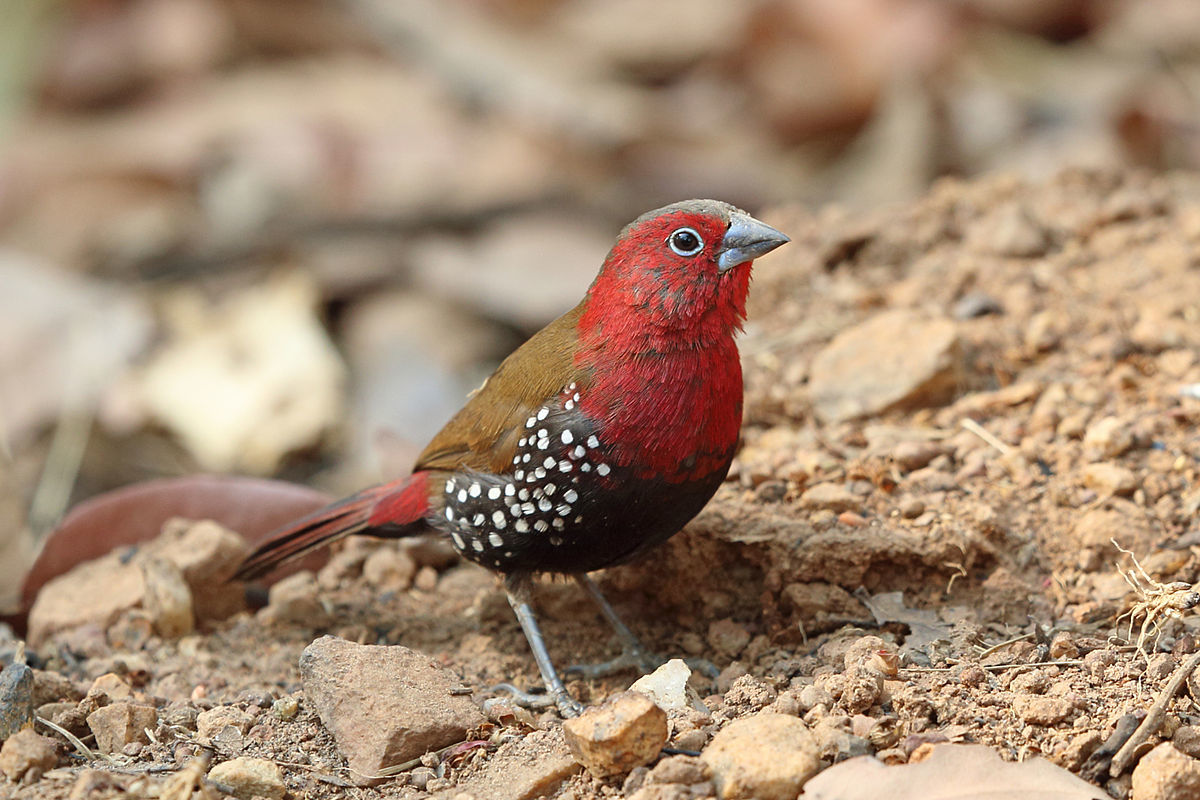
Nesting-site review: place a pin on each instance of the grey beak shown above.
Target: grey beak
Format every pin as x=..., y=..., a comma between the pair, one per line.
x=746, y=240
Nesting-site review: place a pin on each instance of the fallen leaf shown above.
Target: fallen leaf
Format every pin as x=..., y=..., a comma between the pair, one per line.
x=952, y=772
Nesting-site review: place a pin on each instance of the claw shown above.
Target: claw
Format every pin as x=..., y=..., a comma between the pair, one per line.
x=567, y=705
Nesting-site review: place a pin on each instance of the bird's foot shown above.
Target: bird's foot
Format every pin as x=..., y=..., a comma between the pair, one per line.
x=567, y=706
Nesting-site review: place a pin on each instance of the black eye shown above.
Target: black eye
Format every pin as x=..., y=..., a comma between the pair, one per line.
x=685, y=242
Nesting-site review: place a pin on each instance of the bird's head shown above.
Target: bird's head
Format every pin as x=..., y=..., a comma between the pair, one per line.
x=679, y=269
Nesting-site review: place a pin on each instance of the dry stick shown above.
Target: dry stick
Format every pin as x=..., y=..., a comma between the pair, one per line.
x=1154, y=718
x=977, y=429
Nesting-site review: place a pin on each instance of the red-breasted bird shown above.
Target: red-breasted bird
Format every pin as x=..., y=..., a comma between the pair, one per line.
x=597, y=439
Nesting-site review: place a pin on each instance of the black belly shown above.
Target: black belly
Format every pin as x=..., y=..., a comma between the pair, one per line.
x=563, y=507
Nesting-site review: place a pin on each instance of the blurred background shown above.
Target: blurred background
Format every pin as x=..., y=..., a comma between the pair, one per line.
x=286, y=237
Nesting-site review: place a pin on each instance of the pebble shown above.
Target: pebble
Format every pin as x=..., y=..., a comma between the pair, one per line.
x=384, y=705
x=118, y=724
x=1038, y=710
x=1166, y=774
x=285, y=708
x=16, y=698
x=168, y=599
x=626, y=731
x=1109, y=479
x=390, y=569
x=833, y=497
x=766, y=757
x=894, y=360
x=248, y=778
x=25, y=752
x=223, y=727
x=295, y=599
x=728, y=637
x=668, y=687
x=527, y=768
x=1107, y=438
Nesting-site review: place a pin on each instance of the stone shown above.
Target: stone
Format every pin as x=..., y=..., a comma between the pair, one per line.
x=765, y=757
x=1109, y=479
x=207, y=553
x=223, y=728
x=1105, y=438
x=626, y=731
x=668, y=687
x=295, y=600
x=833, y=497
x=891, y=361
x=25, y=751
x=1042, y=710
x=118, y=724
x=384, y=705
x=1166, y=774
x=248, y=778
x=51, y=687
x=168, y=598
x=528, y=768
x=390, y=569
x=16, y=698
x=728, y=637
x=96, y=591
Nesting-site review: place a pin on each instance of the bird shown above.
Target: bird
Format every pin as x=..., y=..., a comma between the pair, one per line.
x=596, y=440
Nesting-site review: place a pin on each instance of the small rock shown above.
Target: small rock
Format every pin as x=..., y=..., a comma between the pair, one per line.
x=976, y=304
x=1166, y=774
x=109, y=688
x=168, y=599
x=285, y=708
x=668, y=687
x=426, y=579
x=529, y=768
x=1187, y=740
x=1009, y=231
x=52, y=687
x=94, y=592
x=678, y=769
x=894, y=360
x=829, y=496
x=1109, y=479
x=626, y=731
x=207, y=553
x=295, y=600
x=915, y=454
x=1107, y=438
x=25, y=751
x=223, y=728
x=248, y=778
x=812, y=696
x=1039, y=710
x=118, y=724
x=1063, y=646
x=767, y=757
x=390, y=569
x=728, y=637
x=16, y=698
x=384, y=705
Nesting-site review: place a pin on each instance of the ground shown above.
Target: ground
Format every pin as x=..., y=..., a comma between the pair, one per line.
x=952, y=408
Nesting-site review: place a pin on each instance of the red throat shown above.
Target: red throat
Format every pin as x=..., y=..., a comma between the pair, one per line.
x=666, y=375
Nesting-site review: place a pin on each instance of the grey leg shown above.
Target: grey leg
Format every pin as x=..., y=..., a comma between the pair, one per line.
x=517, y=588
x=633, y=653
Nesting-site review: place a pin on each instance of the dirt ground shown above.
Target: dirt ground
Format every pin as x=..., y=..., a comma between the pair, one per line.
x=964, y=518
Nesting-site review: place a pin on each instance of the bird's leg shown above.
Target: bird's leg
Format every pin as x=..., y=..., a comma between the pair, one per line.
x=517, y=587
x=633, y=652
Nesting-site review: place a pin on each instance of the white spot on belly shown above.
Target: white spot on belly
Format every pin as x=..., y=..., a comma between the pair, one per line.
x=494, y=540
x=567, y=437
x=498, y=519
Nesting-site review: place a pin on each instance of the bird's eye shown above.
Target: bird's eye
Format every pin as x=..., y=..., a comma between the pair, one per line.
x=685, y=242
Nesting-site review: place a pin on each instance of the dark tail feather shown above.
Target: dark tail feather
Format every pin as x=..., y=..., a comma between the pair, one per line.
x=383, y=510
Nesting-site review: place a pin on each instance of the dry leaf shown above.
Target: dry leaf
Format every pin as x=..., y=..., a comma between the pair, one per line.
x=952, y=772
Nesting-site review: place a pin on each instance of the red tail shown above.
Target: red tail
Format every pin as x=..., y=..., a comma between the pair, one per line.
x=391, y=509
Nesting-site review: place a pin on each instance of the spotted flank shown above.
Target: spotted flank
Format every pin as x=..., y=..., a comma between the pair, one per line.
x=494, y=519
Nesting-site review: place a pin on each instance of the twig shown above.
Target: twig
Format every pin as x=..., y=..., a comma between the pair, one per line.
x=79, y=746
x=977, y=429
x=1154, y=718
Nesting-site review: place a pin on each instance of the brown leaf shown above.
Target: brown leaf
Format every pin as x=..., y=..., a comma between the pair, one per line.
x=133, y=514
x=952, y=772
